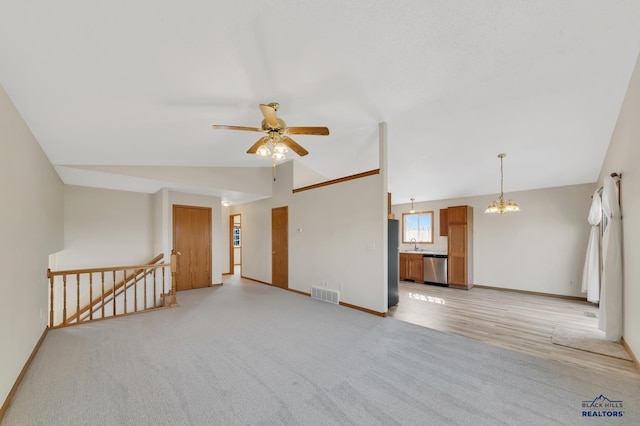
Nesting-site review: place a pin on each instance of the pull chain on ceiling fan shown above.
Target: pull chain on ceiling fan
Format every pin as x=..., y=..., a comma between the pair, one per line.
x=277, y=134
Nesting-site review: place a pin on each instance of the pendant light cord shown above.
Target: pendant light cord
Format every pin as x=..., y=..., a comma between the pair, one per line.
x=501, y=179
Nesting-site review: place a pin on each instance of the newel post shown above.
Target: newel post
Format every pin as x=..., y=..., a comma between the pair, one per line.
x=174, y=270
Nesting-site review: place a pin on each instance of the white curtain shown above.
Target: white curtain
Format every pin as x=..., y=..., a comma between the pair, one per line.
x=591, y=272
x=611, y=292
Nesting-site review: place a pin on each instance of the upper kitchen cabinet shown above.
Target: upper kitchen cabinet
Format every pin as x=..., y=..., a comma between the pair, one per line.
x=460, y=245
x=444, y=222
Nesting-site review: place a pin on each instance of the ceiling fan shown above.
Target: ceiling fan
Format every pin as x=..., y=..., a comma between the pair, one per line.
x=277, y=134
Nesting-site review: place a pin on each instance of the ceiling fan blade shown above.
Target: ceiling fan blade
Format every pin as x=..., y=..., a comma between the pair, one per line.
x=269, y=113
x=223, y=127
x=322, y=131
x=294, y=146
x=255, y=146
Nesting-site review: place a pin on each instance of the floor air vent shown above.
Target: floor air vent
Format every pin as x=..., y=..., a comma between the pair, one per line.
x=326, y=295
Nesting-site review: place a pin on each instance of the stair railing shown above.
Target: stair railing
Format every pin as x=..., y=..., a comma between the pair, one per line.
x=84, y=295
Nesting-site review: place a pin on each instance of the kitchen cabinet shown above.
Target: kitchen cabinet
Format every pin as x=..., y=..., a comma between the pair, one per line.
x=444, y=222
x=411, y=266
x=460, y=245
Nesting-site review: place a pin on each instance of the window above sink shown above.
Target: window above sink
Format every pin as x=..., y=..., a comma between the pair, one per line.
x=417, y=228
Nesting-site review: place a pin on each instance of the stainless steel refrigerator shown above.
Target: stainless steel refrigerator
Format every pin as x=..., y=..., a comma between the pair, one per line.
x=393, y=239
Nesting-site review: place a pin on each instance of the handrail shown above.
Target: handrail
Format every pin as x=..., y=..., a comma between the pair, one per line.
x=107, y=269
x=138, y=284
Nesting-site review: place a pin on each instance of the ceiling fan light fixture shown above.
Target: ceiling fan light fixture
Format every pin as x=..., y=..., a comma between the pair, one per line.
x=280, y=148
x=263, y=150
x=278, y=156
x=276, y=134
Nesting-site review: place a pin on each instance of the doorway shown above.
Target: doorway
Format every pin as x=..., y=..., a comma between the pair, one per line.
x=192, y=239
x=280, y=247
x=235, y=244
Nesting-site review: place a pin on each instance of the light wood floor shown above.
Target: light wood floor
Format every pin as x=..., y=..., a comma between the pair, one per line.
x=517, y=321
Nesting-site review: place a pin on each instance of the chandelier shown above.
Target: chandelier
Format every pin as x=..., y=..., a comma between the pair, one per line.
x=500, y=205
x=273, y=146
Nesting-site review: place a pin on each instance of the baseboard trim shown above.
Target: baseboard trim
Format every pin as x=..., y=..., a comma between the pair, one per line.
x=14, y=389
x=299, y=292
x=535, y=293
x=254, y=280
x=626, y=347
x=360, y=308
x=346, y=305
x=216, y=285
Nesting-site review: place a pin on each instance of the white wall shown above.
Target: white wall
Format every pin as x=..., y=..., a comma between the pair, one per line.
x=336, y=241
x=104, y=227
x=540, y=249
x=623, y=157
x=31, y=228
x=256, y=243
x=340, y=245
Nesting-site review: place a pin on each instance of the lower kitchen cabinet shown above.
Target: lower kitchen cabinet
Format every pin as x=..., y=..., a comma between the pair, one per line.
x=411, y=267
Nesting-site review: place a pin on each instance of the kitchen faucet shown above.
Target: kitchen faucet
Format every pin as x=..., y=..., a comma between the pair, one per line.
x=415, y=244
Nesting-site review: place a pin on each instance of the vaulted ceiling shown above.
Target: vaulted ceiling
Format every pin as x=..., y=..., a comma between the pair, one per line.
x=139, y=83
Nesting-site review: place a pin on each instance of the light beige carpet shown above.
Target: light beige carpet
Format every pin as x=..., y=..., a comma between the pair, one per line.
x=590, y=341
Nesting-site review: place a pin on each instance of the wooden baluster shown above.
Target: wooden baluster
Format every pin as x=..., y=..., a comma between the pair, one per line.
x=64, y=301
x=90, y=296
x=113, y=293
x=155, y=279
x=174, y=270
x=164, y=285
x=102, y=294
x=51, y=279
x=145, y=290
x=77, y=298
x=135, y=292
x=124, y=287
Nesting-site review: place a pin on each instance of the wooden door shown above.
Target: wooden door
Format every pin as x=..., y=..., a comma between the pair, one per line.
x=280, y=247
x=192, y=238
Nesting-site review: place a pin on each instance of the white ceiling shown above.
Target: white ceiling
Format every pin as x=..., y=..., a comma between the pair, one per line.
x=139, y=83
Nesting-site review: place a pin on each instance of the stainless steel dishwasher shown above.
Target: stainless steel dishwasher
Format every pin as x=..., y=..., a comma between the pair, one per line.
x=435, y=269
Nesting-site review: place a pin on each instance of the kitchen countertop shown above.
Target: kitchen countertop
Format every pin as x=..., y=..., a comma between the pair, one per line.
x=426, y=252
